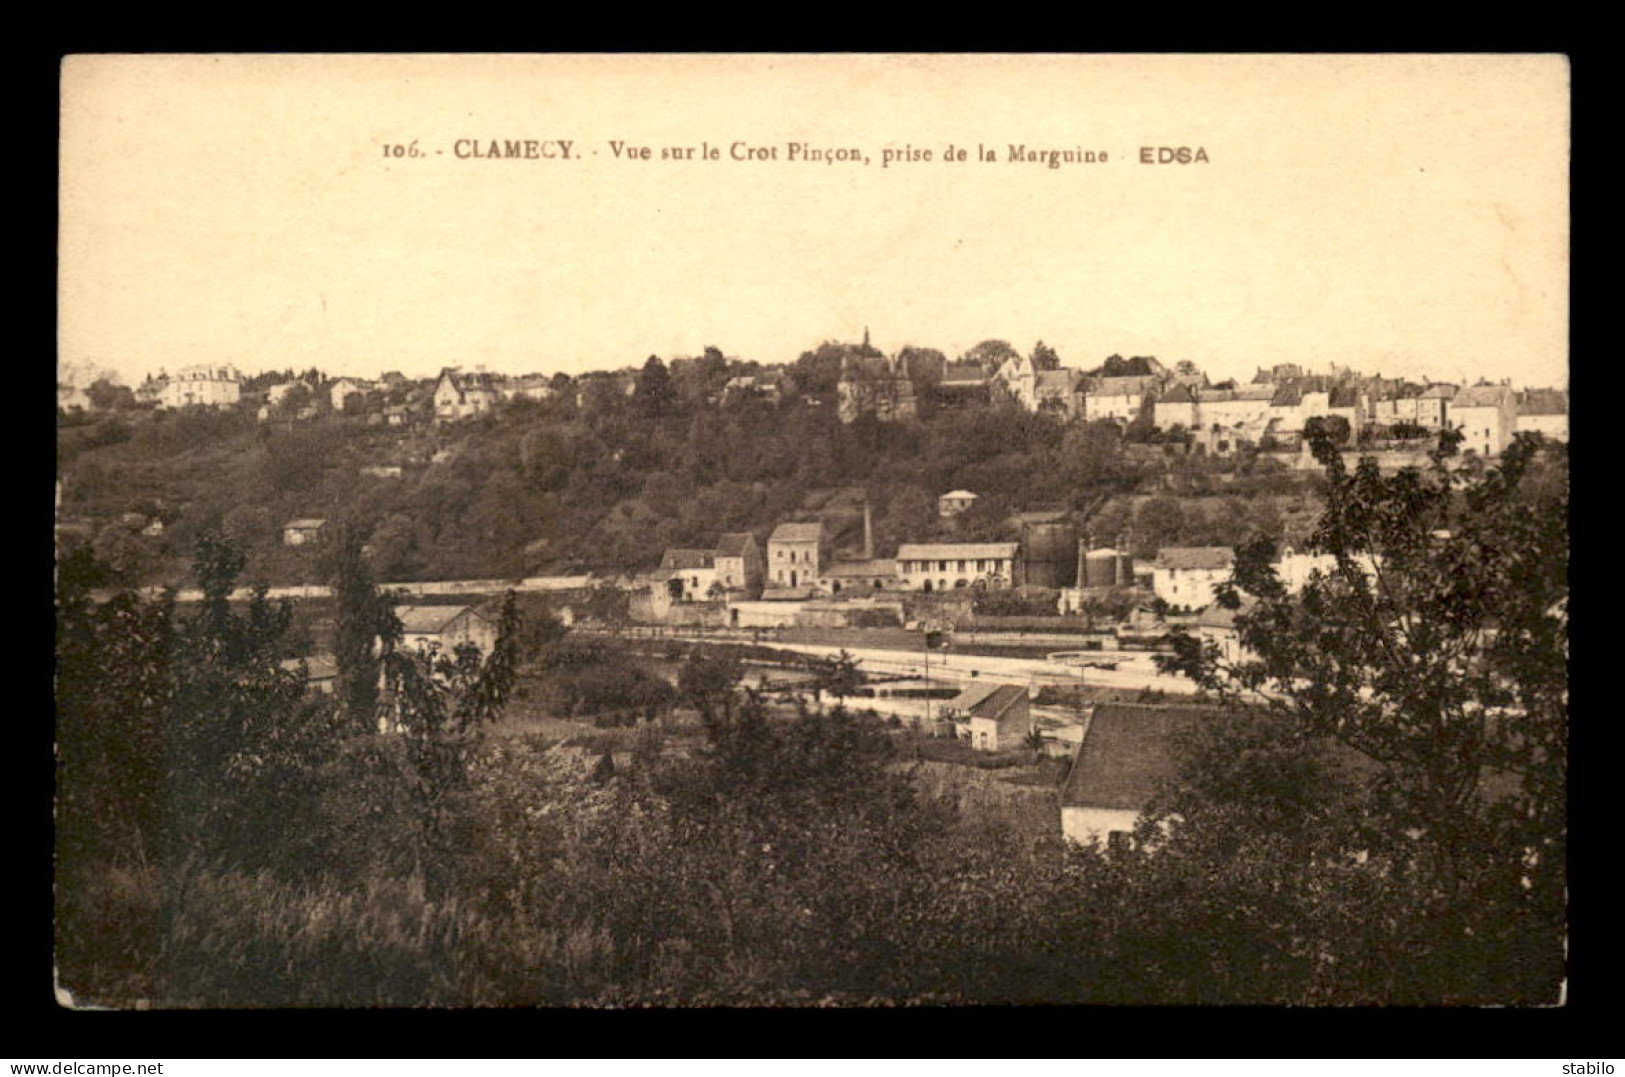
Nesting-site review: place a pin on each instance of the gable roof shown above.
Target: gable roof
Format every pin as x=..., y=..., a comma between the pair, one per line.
x=954, y=551
x=688, y=559
x=1195, y=557
x=880, y=566
x=958, y=495
x=1179, y=394
x=1483, y=396
x=996, y=703
x=735, y=543
x=798, y=532
x=1126, y=755
x=963, y=376
x=1344, y=396
x=1439, y=391
x=1061, y=380
x=303, y=525
x=1544, y=402
x=1128, y=385
x=427, y=620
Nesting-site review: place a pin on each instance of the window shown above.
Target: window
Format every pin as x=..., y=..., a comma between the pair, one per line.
x=961, y=566
x=1118, y=841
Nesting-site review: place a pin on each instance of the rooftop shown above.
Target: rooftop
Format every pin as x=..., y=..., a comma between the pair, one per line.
x=798, y=532
x=1127, y=754
x=429, y=619
x=734, y=543
x=688, y=559
x=1195, y=557
x=951, y=551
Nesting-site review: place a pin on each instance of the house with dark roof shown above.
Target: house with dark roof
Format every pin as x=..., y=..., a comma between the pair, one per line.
x=739, y=563
x=795, y=554
x=1121, y=398
x=689, y=574
x=460, y=395
x=1184, y=576
x=1487, y=416
x=945, y=566
x=1000, y=720
x=954, y=502
x=963, y=383
x=442, y=629
x=1544, y=412
x=1128, y=753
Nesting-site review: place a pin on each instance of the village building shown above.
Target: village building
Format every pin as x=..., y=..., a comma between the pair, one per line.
x=795, y=554
x=528, y=387
x=1127, y=755
x=1544, y=412
x=443, y=629
x=70, y=397
x=955, y=502
x=963, y=384
x=1059, y=392
x=1216, y=628
x=1433, y=405
x=459, y=395
x=302, y=532
x=858, y=577
x=739, y=563
x=321, y=672
x=690, y=574
x=1123, y=399
x=1487, y=416
x=1184, y=576
x=343, y=389
x=874, y=385
x=398, y=415
x=992, y=717
x=946, y=566
x=208, y=385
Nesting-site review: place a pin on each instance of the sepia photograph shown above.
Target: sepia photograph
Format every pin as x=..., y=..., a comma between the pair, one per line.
x=811, y=531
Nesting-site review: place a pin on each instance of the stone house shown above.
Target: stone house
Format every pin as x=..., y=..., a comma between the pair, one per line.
x=992, y=717
x=739, y=563
x=1128, y=753
x=1545, y=412
x=795, y=554
x=1184, y=576
x=946, y=566
x=1487, y=416
x=459, y=395
x=209, y=384
x=442, y=629
x=690, y=574
x=1122, y=398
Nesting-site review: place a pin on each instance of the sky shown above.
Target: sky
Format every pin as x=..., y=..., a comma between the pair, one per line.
x=1403, y=215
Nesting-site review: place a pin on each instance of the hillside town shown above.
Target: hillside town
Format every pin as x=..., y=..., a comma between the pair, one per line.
x=1036, y=598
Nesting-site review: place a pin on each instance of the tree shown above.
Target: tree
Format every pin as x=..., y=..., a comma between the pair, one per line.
x=837, y=675
x=991, y=354
x=365, y=627
x=1334, y=428
x=654, y=394
x=107, y=396
x=1045, y=357
x=1436, y=648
